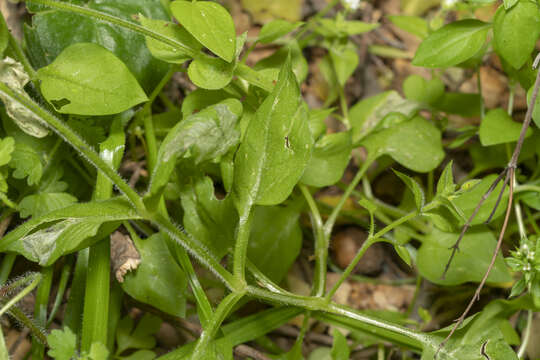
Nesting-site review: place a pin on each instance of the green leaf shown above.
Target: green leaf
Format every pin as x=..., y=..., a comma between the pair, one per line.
x=366, y=115
x=274, y=62
x=467, y=105
x=419, y=89
x=210, y=73
x=509, y=3
x=345, y=59
x=340, y=348
x=275, y=239
x=469, y=264
x=209, y=23
x=87, y=79
x=158, y=281
x=330, y=157
x=497, y=127
x=415, y=188
x=7, y=145
x=197, y=100
x=4, y=38
x=468, y=200
x=403, y=254
x=207, y=219
x=171, y=30
x=98, y=351
x=12, y=74
x=412, y=24
x=452, y=44
x=62, y=344
x=515, y=32
x=207, y=134
x=275, y=29
x=44, y=202
x=276, y=148
x=536, y=109
x=27, y=163
x=53, y=30
x=140, y=337
x=445, y=185
x=73, y=228
x=415, y=144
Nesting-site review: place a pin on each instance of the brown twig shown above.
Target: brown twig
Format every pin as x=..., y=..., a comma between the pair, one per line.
x=509, y=174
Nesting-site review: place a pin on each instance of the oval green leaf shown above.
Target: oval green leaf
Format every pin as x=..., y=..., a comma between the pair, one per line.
x=497, y=127
x=209, y=23
x=515, y=32
x=87, y=79
x=210, y=73
x=452, y=44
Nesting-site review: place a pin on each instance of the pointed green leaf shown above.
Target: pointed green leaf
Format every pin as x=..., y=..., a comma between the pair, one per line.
x=87, y=79
x=340, y=348
x=452, y=44
x=276, y=148
x=7, y=145
x=209, y=23
x=417, y=191
x=412, y=24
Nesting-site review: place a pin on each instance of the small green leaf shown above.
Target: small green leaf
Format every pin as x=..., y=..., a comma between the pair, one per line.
x=12, y=74
x=415, y=188
x=515, y=31
x=44, y=202
x=412, y=24
x=98, y=351
x=367, y=115
x=209, y=23
x=340, y=348
x=140, y=337
x=7, y=145
x=452, y=44
x=209, y=220
x=345, y=59
x=159, y=281
x=174, y=31
x=199, y=99
x=276, y=148
x=536, y=109
x=403, y=254
x=275, y=239
x=275, y=29
x=62, y=344
x=419, y=89
x=330, y=157
x=497, y=127
x=210, y=73
x=27, y=163
x=445, y=185
x=87, y=79
x=415, y=144
x=469, y=264
x=207, y=134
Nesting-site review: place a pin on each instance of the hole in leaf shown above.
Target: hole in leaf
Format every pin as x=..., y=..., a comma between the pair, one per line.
x=58, y=104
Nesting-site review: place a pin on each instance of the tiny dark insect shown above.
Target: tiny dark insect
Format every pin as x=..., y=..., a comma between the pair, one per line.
x=483, y=350
x=287, y=143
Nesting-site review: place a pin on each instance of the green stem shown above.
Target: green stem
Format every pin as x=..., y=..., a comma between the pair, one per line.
x=526, y=335
x=222, y=311
x=66, y=272
x=8, y=202
x=75, y=304
x=328, y=226
x=7, y=265
x=33, y=280
x=370, y=241
x=40, y=309
x=77, y=142
x=321, y=244
x=4, y=355
x=242, y=240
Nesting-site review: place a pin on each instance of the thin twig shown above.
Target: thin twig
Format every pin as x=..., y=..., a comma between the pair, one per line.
x=491, y=264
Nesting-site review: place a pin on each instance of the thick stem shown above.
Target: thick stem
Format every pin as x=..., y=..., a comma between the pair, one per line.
x=242, y=240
